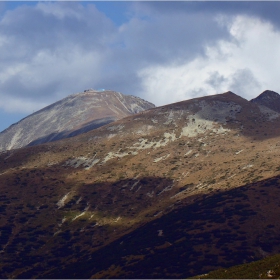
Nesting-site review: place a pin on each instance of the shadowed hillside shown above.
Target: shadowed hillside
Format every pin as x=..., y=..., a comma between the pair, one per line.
x=172, y=192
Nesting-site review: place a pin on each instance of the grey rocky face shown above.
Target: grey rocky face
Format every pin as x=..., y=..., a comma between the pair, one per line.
x=73, y=115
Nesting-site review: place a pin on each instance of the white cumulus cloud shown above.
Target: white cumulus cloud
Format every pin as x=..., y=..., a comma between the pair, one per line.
x=246, y=63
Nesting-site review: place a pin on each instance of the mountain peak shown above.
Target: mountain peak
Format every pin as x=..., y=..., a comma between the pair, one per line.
x=269, y=99
x=70, y=116
x=267, y=95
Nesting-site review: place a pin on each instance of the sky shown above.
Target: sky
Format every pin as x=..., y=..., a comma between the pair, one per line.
x=162, y=51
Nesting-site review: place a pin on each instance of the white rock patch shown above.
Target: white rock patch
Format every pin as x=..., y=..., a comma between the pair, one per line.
x=112, y=155
x=268, y=112
x=170, y=117
x=142, y=144
x=135, y=184
x=150, y=194
x=79, y=200
x=78, y=216
x=161, y=158
x=208, y=117
x=248, y=166
x=115, y=128
x=82, y=161
x=188, y=152
x=61, y=202
x=169, y=188
x=16, y=138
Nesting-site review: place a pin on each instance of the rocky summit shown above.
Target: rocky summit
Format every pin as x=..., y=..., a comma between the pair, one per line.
x=170, y=192
x=73, y=115
x=268, y=100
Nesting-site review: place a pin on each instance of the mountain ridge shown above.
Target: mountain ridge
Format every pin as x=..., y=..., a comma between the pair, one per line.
x=75, y=114
x=171, y=192
x=268, y=99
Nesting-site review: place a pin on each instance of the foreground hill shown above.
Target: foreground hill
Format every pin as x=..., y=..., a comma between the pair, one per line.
x=73, y=115
x=171, y=192
x=267, y=268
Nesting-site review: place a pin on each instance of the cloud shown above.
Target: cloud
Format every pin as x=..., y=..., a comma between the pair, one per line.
x=246, y=63
x=49, y=51
x=163, y=52
x=265, y=10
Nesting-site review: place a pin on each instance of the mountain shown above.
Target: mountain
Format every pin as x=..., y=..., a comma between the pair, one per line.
x=171, y=192
x=73, y=115
x=267, y=101
x=267, y=268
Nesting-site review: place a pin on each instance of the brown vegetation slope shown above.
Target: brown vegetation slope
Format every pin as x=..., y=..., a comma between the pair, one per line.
x=172, y=192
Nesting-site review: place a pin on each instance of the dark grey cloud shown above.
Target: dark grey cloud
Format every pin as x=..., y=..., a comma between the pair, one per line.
x=58, y=41
x=51, y=24
x=35, y=41
x=216, y=80
x=242, y=80
x=168, y=38
x=267, y=10
x=158, y=40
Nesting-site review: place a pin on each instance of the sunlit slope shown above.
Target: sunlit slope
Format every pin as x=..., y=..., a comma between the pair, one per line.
x=73, y=115
x=180, y=189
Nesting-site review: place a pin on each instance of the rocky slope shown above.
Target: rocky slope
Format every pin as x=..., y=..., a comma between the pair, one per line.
x=171, y=192
x=268, y=101
x=73, y=115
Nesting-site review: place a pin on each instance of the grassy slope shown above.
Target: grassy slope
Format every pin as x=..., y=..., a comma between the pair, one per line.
x=267, y=268
x=221, y=210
